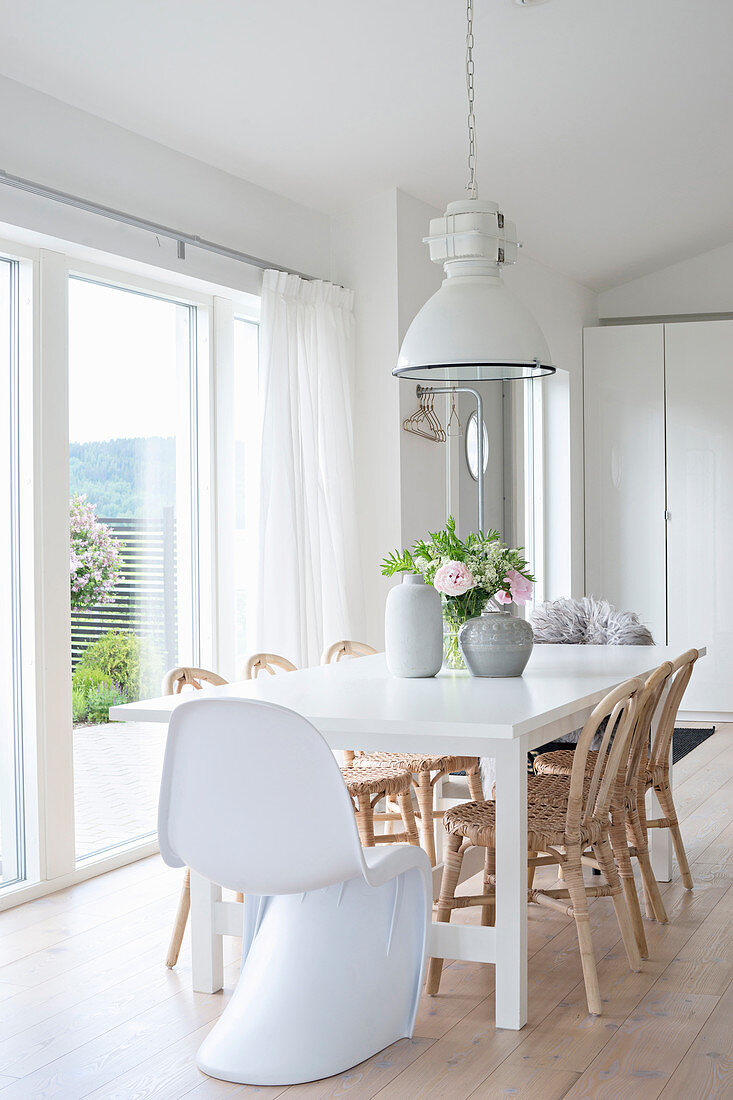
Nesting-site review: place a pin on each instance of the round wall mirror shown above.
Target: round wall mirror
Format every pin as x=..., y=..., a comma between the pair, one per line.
x=472, y=446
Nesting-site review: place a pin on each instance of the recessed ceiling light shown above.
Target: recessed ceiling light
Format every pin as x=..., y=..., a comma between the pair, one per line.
x=529, y=3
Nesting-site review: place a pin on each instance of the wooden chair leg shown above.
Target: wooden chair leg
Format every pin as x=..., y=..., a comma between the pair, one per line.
x=179, y=926
x=365, y=820
x=573, y=877
x=488, y=912
x=664, y=796
x=666, y=802
x=636, y=835
x=424, y=790
x=641, y=818
x=620, y=846
x=681, y=854
x=530, y=871
x=451, y=873
x=408, y=817
x=476, y=790
x=604, y=856
x=652, y=894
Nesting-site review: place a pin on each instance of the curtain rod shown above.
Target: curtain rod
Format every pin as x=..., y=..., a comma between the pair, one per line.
x=181, y=238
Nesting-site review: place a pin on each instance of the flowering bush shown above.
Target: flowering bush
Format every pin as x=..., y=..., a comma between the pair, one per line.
x=95, y=565
x=468, y=574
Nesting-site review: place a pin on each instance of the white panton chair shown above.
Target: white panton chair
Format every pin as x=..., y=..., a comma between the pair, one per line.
x=328, y=926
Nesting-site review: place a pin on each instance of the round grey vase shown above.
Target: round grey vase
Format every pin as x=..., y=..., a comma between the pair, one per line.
x=496, y=644
x=413, y=629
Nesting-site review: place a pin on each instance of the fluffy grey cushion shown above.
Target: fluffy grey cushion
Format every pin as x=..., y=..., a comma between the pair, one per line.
x=578, y=622
x=587, y=622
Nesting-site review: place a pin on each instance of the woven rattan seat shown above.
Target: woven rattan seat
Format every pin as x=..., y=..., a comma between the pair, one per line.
x=560, y=762
x=377, y=780
x=417, y=762
x=547, y=808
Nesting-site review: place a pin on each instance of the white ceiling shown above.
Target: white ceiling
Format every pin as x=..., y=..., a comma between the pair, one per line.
x=604, y=126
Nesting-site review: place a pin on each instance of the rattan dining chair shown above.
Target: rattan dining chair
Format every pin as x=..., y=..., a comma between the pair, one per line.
x=174, y=681
x=426, y=768
x=653, y=772
x=377, y=784
x=628, y=837
x=266, y=662
x=567, y=822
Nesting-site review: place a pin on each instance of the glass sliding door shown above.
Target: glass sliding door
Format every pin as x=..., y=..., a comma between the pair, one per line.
x=12, y=814
x=134, y=542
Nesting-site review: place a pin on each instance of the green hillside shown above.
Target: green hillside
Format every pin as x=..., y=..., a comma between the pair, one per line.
x=125, y=478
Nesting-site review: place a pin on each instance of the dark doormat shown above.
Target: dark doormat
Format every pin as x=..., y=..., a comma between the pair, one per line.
x=683, y=742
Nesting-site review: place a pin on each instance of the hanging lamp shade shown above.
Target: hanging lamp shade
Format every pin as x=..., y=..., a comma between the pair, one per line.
x=473, y=329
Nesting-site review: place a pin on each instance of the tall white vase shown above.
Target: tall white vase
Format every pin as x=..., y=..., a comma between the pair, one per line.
x=413, y=628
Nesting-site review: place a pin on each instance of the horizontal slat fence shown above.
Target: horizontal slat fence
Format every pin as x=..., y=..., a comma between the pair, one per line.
x=145, y=598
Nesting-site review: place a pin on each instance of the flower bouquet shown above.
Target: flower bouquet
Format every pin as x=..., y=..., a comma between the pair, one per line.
x=468, y=573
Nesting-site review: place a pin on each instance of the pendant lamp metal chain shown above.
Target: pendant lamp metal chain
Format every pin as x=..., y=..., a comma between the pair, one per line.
x=472, y=185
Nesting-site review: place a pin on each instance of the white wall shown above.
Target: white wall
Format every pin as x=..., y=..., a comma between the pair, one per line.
x=562, y=309
x=50, y=142
x=422, y=462
x=365, y=258
x=701, y=285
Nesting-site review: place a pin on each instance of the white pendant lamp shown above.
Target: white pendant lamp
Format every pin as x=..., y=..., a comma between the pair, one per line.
x=473, y=329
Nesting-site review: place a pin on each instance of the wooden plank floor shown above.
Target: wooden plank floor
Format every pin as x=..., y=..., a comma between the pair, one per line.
x=87, y=1008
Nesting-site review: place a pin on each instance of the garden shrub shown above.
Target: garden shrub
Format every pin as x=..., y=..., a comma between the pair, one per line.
x=126, y=662
x=78, y=705
x=84, y=679
x=100, y=699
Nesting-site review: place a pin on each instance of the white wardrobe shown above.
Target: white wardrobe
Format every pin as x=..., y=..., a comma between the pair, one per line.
x=659, y=487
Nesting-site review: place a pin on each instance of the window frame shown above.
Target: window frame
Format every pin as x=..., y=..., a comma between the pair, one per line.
x=48, y=737
x=534, y=486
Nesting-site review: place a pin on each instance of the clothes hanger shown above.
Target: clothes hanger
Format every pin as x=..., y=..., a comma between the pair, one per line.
x=420, y=422
x=454, y=426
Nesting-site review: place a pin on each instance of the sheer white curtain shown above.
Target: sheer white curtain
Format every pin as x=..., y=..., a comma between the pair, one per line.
x=310, y=589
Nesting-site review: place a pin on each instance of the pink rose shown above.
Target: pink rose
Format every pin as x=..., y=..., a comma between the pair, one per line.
x=453, y=579
x=502, y=596
x=519, y=586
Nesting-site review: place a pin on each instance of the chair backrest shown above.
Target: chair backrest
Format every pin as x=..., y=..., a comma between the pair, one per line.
x=339, y=650
x=590, y=803
x=266, y=662
x=300, y=835
x=176, y=679
x=681, y=672
x=648, y=702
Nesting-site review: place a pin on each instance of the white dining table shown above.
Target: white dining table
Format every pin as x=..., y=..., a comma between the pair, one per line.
x=358, y=704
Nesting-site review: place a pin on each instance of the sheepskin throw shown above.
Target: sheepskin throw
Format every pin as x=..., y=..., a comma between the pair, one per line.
x=588, y=622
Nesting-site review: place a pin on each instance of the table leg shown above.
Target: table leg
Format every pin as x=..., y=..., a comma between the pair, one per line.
x=511, y=885
x=207, y=948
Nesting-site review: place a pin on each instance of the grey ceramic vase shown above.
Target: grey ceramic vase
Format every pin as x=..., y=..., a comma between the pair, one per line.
x=496, y=644
x=413, y=629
